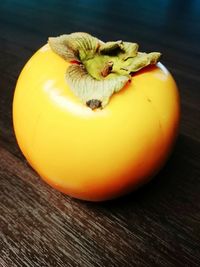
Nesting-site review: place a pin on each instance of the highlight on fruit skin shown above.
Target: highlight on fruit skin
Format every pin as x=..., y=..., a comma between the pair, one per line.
x=104, y=144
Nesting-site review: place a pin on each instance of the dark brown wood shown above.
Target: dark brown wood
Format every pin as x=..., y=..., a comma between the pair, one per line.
x=158, y=225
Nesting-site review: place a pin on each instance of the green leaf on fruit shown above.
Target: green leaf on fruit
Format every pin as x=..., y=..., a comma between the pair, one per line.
x=99, y=69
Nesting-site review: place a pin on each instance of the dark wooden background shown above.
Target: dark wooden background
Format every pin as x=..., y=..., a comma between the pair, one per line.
x=159, y=225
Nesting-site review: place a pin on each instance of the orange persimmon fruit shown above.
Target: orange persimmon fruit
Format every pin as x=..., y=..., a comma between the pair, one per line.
x=94, y=154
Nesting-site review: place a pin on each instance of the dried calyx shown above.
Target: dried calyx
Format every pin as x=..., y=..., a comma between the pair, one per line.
x=99, y=69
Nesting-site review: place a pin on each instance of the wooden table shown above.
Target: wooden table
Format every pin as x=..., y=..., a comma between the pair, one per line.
x=159, y=225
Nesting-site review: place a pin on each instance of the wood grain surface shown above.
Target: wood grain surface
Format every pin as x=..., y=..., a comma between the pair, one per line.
x=158, y=225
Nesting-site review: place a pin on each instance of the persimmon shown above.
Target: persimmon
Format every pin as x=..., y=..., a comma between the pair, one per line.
x=103, y=131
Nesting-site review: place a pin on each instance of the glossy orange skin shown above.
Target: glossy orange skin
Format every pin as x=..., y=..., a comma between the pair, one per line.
x=94, y=155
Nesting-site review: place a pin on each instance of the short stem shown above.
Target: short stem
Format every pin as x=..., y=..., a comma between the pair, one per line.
x=107, y=69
